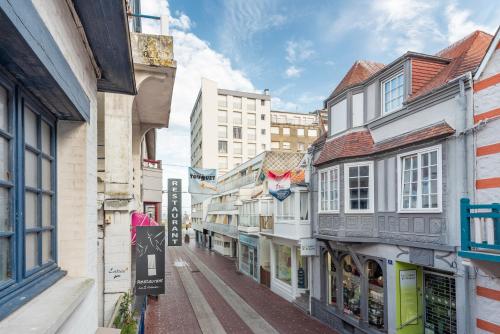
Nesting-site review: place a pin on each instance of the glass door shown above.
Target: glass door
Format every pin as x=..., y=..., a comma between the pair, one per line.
x=251, y=261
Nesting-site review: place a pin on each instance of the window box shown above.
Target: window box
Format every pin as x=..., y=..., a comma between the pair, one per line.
x=420, y=181
x=359, y=187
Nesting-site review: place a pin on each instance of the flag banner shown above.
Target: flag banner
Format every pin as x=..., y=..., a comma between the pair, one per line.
x=279, y=185
x=202, y=182
x=150, y=260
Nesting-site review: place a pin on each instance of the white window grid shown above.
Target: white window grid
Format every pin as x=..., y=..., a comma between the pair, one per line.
x=329, y=189
x=364, y=191
x=421, y=173
x=392, y=93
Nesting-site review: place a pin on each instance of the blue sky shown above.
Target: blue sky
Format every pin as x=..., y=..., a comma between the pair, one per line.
x=299, y=50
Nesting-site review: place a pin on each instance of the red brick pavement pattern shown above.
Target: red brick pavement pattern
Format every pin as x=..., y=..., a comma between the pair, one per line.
x=228, y=318
x=172, y=312
x=282, y=315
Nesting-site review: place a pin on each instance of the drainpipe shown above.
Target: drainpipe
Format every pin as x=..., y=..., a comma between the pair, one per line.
x=469, y=276
x=311, y=226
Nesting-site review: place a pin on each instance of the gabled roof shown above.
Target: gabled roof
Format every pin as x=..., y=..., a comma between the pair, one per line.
x=453, y=61
x=360, y=143
x=465, y=56
x=358, y=73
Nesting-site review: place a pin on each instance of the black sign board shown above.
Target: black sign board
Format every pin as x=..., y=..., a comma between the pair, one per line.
x=150, y=260
x=174, y=212
x=301, y=278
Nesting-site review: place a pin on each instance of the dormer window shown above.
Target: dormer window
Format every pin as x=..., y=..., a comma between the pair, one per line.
x=393, y=93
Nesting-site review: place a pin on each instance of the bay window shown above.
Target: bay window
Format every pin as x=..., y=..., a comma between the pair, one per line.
x=359, y=187
x=420, y=180
x=329, y=189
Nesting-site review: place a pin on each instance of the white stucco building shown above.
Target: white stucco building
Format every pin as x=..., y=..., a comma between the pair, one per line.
x=56, y=56
x=228, y=127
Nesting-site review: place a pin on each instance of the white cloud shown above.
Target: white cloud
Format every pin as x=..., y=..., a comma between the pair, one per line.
x=241, y=20
x=279, y=104
x=293, y=72
x=195, y=59
x=460, y=23
x=297, y=51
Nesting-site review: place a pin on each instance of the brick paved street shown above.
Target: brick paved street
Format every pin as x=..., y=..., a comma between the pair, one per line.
x=223, y=299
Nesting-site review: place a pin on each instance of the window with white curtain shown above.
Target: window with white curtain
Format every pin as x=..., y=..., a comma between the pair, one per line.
x=304, y=205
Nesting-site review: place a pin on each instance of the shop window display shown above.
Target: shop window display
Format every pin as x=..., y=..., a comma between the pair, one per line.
x=331, y=280
x=375, y=294
x=283, y=256
x=351, y=287
x=244, y=258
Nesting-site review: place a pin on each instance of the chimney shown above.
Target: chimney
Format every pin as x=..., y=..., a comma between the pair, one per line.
x=266, y=91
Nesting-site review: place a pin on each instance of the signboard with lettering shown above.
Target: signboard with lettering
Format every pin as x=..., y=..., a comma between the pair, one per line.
x=409, y=296
x=150, y=260
x=202, y=183
x=174, y=212
x=308, y=247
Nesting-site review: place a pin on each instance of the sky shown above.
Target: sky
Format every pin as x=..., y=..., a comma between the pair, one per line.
x=299, y=50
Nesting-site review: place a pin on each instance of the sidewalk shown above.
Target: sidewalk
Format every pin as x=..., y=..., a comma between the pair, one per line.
x=221, y=299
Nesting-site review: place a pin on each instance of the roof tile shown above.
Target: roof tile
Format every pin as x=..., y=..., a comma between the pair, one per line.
x=360, y=144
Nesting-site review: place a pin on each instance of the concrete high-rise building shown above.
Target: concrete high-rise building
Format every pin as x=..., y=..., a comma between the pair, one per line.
x=228, y=127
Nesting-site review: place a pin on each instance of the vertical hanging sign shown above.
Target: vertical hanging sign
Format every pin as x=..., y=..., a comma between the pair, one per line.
x=174, y=212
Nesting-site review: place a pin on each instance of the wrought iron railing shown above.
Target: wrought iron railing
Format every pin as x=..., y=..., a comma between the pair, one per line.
x=480, y=230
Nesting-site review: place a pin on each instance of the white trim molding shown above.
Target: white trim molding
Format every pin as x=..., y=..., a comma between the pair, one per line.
x=418, y=153
x=371, y=187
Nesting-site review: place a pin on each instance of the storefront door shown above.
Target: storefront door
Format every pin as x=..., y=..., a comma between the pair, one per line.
x=409, y=299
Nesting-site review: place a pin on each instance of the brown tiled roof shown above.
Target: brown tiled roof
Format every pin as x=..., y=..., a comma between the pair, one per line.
x=359, y=72
x=359, y=144
x=465, y=55
x=427, y=74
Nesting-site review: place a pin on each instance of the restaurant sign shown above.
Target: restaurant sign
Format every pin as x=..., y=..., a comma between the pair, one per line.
x=150, y=260
x=174, y=188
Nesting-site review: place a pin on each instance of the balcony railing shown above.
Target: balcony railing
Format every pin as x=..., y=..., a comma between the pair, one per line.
x=249, y=220
x=227, y=206
x=237, y=183
x=480, y=225
x=225, y=229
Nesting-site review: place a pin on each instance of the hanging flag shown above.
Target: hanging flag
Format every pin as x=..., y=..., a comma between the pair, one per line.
x=279, y=185
x=202, y=183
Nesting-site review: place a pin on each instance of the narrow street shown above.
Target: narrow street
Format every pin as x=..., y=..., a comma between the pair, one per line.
x=204, y=294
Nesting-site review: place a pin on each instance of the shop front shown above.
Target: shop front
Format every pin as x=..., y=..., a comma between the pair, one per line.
x=222, y=244
x=289, y=270
x=248, y=255
x=353, y=292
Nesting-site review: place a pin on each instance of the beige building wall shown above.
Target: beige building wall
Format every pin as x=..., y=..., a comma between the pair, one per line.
x=293, y=132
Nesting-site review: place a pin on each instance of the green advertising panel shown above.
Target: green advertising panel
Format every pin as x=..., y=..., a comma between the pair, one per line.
x=409, y=296
x=409, y=302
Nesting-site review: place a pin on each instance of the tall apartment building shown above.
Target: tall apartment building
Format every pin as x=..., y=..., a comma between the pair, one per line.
x=293, y=132
x=228, y=127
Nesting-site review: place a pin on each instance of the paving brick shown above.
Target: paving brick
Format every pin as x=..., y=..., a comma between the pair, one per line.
x=282, y=315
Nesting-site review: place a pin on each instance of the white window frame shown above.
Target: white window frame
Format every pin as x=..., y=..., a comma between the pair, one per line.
x=328, y=190
x=419, y=208
x=371, y=190
x=275, y=130
x=382, y=92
